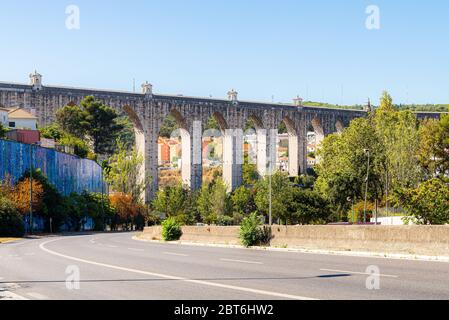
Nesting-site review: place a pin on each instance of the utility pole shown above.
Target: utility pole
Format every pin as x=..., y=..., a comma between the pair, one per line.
x=366, y=188
x=270, y=219
x=31, y=189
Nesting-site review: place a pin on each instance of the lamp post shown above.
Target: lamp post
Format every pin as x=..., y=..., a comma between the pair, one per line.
x=31, y=189
x=270, y=195
x=350, y=200
x=366, y=187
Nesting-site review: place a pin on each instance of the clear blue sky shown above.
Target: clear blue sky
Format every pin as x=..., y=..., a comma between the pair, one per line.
x=318, y=49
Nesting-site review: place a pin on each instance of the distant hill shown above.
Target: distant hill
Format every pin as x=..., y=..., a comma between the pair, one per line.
x=329, y=105
x=413, y=107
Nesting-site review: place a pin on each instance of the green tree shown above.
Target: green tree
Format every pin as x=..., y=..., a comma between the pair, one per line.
x=102, y=126
x=123, y=173
x=177, y=202
x=399, y=135
x=250, y=174
x=214, y=202
x=434, y=143
x=127, y=134
x=73, y=120
x=343, y=165
x=52, y=131
x=11, y=221
x=168, y=126
x=281, y=197
x=63, y=138
x=428, y=203
x=3, y=131
x=80, y=147
x=243, y=201
x=309, y=207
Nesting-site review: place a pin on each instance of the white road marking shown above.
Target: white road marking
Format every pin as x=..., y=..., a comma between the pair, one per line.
x=363, y=273
x=134, y=249
x=176, y=254
x=7, y=295
x=111, y=246
x=37, y=296
x=241, y=261
x=170, y=277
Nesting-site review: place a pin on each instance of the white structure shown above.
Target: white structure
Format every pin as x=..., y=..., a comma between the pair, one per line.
x=298, y=101
x=20, y=119
x=147, y=89
x=390, y=221
x=36, y=81
x=4, y=117
x=233, y=95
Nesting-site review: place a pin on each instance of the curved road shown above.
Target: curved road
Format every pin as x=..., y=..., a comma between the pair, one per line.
x=114, y=266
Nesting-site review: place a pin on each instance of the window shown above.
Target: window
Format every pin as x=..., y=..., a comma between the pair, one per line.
x=12, y=124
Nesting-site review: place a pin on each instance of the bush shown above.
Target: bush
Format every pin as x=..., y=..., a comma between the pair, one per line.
x=11, y=222
x=171, y=230
x=250, y=232
x=428, y=203
x=225, y=221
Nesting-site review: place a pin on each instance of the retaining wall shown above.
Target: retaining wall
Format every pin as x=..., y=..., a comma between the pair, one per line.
x=418, y=240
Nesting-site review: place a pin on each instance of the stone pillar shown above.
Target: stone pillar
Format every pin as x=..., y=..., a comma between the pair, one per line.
x=151, y=168
x=233, y=158
x=192, y=162
x=293, y=155
x=147, y=146
x=302, y=152
x=266, y=151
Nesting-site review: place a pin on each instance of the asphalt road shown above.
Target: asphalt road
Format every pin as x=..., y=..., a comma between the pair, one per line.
x=114, y=266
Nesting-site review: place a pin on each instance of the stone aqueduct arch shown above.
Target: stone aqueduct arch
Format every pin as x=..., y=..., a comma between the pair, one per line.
x=148, y=111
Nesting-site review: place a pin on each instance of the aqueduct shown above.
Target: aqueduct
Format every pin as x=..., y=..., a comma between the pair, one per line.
x=148, y=111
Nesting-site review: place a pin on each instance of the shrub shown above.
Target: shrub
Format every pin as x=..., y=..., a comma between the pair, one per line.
x=171, y=230
x=21, y=196
x=428, y=203
x=250, y=231
x=11, y=222
x=128, y=211
x=225, y=221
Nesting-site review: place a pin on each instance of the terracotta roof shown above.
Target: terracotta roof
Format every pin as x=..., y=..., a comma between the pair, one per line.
x=18, y=113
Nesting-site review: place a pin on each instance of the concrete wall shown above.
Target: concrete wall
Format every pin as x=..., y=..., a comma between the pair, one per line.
x=419, y=240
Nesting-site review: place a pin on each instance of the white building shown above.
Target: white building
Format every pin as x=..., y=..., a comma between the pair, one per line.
x=4, y=117
x=19, y=118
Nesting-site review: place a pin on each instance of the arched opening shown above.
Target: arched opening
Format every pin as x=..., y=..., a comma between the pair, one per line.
x=287, y=148
x=250, y=172
x=131, y=123
x=170, y=151
x=315, y=135
x=212, y=147
x=339, y=126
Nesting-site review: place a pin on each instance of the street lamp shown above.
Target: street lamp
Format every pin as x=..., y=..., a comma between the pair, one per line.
x=270, y=207
x=31, y=189
x=366, y=181
x=350, y=200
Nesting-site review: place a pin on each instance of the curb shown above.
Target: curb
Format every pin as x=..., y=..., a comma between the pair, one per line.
x=361, y=254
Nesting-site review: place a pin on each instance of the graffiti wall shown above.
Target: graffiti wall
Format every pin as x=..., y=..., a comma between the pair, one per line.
x=69, y=174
